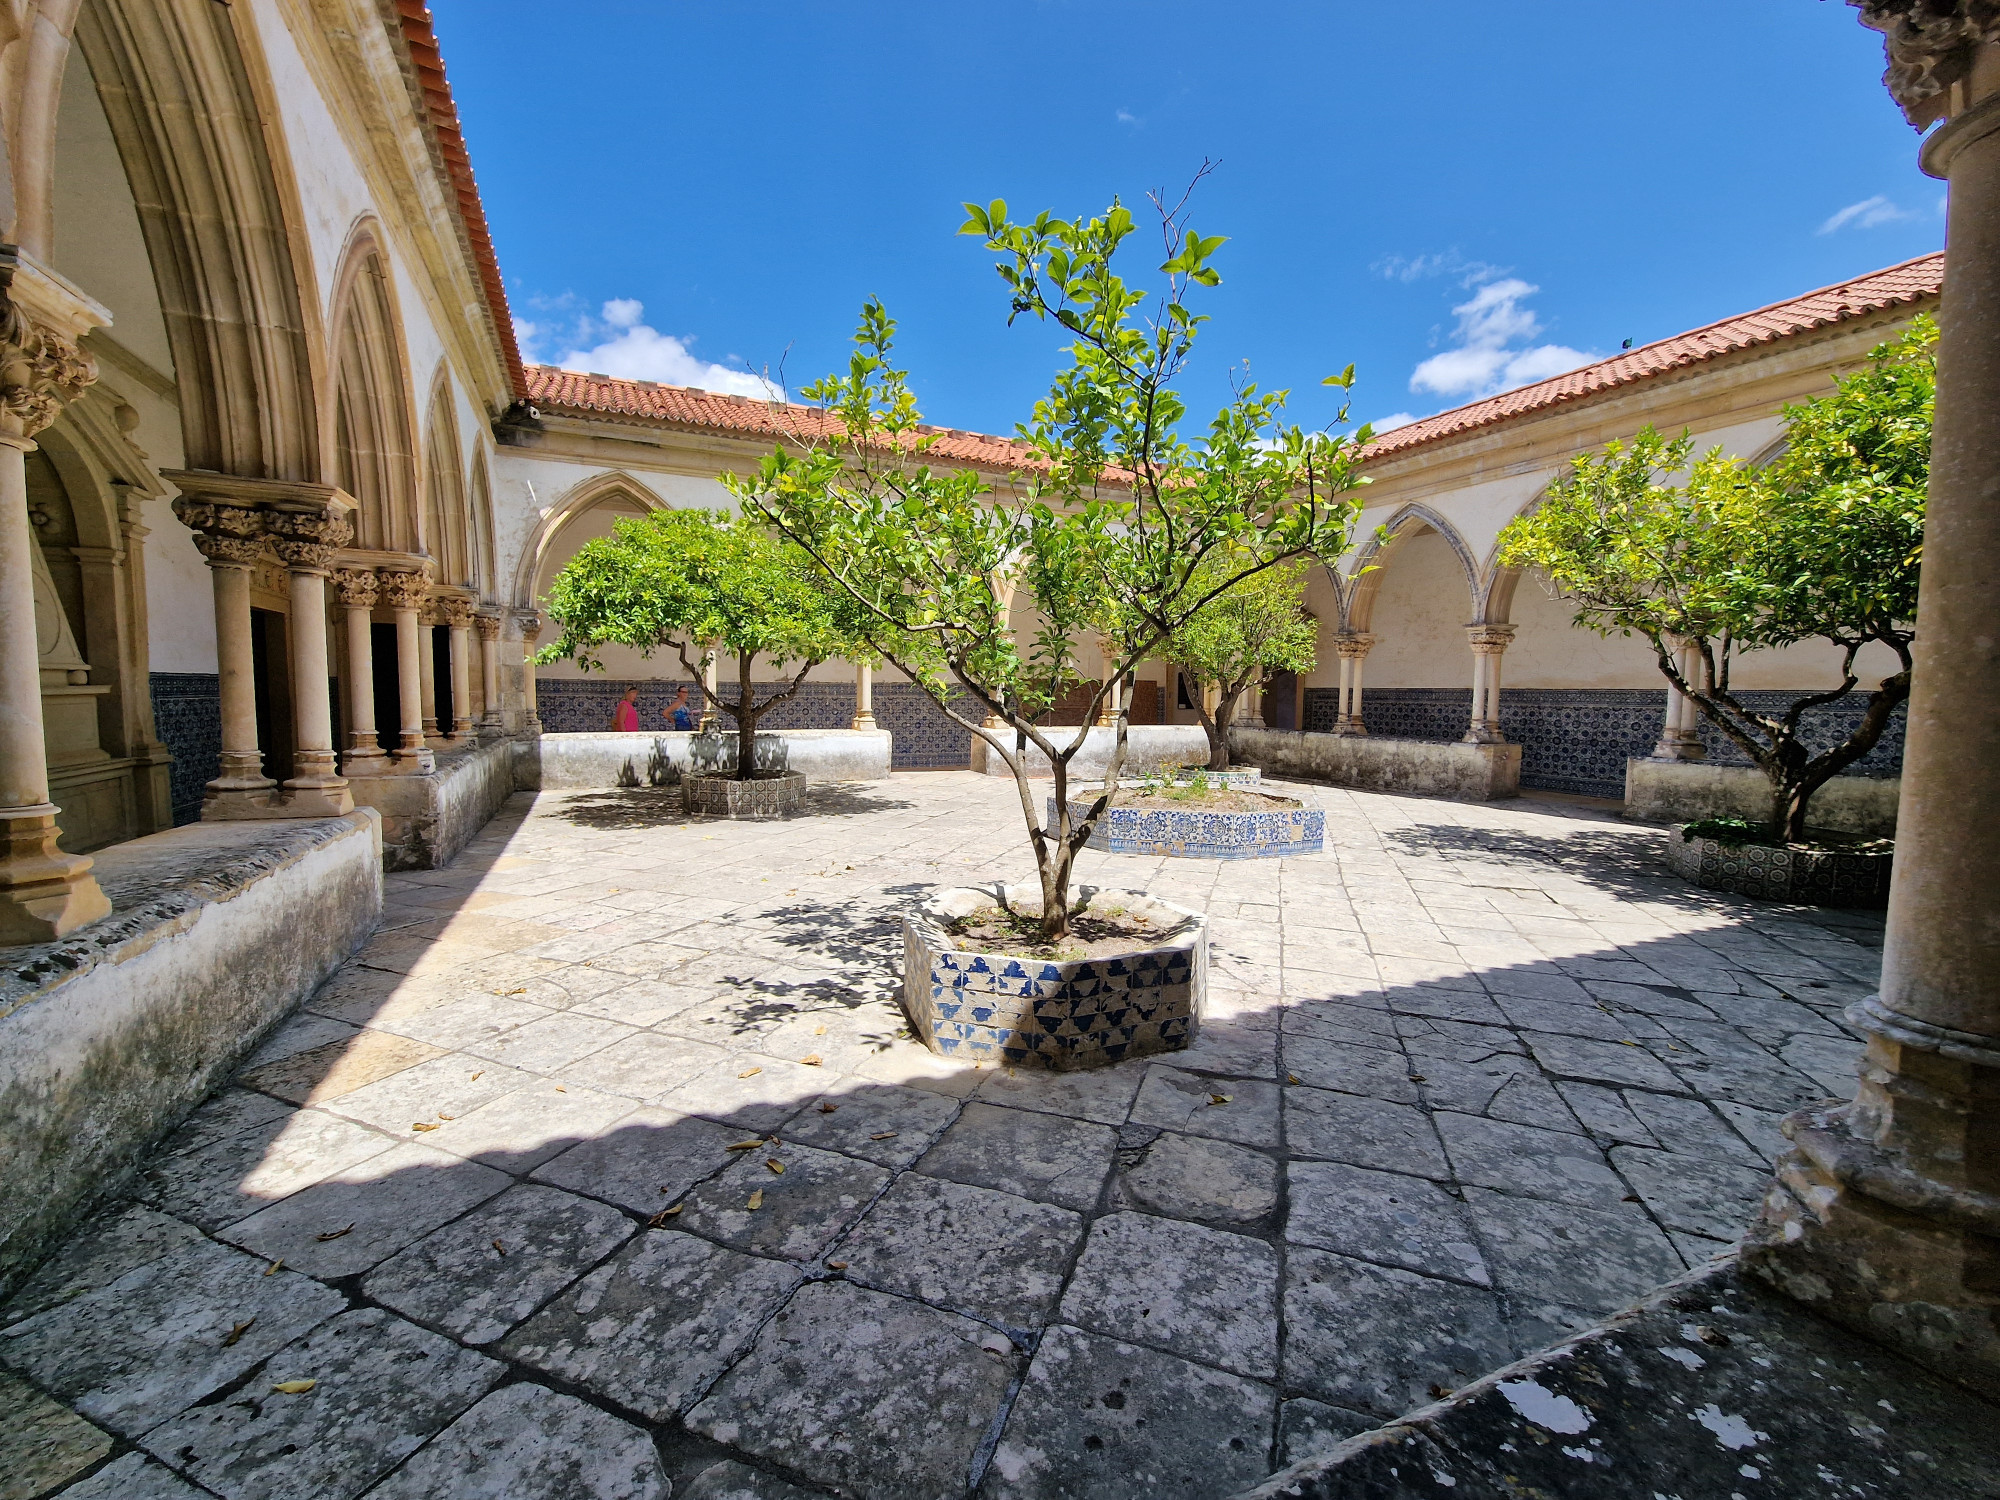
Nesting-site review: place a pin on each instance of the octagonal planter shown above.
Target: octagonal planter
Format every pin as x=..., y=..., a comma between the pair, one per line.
x=762, y=796
x=1238, y=779
x=1042, y=1013
x=1811, y=877
x=1190, y=833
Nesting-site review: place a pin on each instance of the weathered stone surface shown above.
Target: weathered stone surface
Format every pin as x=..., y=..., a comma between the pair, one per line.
x=1021, y=1151
x=522, y=1129
x=1710, y=1198
x=1594, y=1258
x=117, y=1240
x=242, y=1173
x=1362, y=1132
x=1382, y=1216
x=1101, y=1094
x=1307, y=1428
x=1548, y=1164
x=653, y=1328
x=1598, y=1061
x=733, y=1481
x=646, y=1162
x=1187, y=1177
x=528, y=1443
x=1370, y=1071
x=607, y=759
x=864, y=1393
x=882, y=1123
x=364, y=1215
x=381, y=1386
x=771, y=1094
x=971, y=1249
x=455, y=1084
x=1427, y=768
x=1192, y=1291
x=134, y=1477
x=338, y=1066
x=146, y=1346
x=1101, y=1420
x=42, y=1445
x=1373, y=1338
x=480, y=1275
x=1187, y=1102
x=646, y=1065
x=228, y=1112
x=799, y=1211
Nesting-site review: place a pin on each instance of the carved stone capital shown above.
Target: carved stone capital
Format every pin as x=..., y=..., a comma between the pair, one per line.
x=1489, y=640
x=531, y=628
x=406, y=590
x=227, y=535
x=357, y=586
x=1929, y=44
x=457, y=613
x=42, y=365
x=488, y=627
x=1354, y=646
x=306, y=533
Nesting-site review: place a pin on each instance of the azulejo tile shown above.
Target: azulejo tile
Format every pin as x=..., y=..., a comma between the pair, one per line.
x=1185, y=834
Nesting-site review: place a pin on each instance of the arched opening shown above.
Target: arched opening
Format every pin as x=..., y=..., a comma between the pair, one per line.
x=445, y=529
x=1415, y=593
x=374, y=458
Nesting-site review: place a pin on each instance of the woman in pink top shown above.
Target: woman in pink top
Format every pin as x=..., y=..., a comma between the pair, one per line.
x=626, y=718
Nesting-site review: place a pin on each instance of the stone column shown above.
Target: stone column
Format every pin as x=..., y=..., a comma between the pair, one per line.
x=531, y=630
x=44, y=892
x=231, y=538
x=358, y=590
x=1250, y=707
x=1885, y=1214
x=427, y=624
x=1489, y=644
x=406, y=594
x=1353, y=647
x=305, y=534
x=1107, y=706
x=711, y=673
x=458, y=615
x=864, y=697
x=1680, y=738
x=491, y=724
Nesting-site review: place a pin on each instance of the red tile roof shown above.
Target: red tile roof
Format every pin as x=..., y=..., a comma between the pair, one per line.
x=570, y=393
x=1905, y=285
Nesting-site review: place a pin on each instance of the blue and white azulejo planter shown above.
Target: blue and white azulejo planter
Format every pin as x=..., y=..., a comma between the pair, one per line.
x=1057, y=1014
x=1191, y=833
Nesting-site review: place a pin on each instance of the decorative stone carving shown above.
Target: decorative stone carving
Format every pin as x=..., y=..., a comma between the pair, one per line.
x=1929, y=45
x=307, y=539
x=455, y=612
x=1353, y=645
x=227, y=535
x=1488, y=640
x=531, y=628
x=358, y=587
x=406, y=591
x=41, y=371
x=488, y=627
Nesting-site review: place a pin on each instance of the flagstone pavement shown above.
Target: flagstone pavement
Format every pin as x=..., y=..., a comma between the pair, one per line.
x=608, y=1170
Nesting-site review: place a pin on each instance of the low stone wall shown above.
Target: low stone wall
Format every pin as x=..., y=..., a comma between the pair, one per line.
x=426, y=820
x=1425, y=768
x=1685, y=791
x=580, y=762
x=109, y=1037
x=1149, y=749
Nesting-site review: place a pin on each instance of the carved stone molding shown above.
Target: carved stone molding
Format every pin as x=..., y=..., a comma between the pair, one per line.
x=229, y=536
x=1929, y=45
x=42, y=366
x=308, y=539
x=457, y=613
x=1490, y=640
x=358, y=587
x=531, y=628
x=488, y=626
x=1353, y=646
x=406, y=591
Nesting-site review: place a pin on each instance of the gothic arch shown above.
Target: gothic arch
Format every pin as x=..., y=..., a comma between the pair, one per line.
x=374, y=456
x=1364, y=579
x=189, y=103
x=614, y=485
x=446, y=534
x=485, y=572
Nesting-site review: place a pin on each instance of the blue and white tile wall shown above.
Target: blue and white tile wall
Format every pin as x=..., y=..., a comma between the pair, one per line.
x=187, y=716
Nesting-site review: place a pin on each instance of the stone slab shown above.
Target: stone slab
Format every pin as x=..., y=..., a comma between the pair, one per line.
x=645, y=1163
x=1196, y=1292
x=1189, y=1177
x=1598, y=1259
x=1362, y=1132
x=527, y=1126
x=1045, y=1157
x=338, y=1067
x=1240, y=1110
x=569, y=762
x=1097, y=1419
x=730, y=1480
x=799, y=1211
x=120, y=1238
x=43, y=1445
x=884, y=1123
x=653, y=1328
x=864, y=1393
x=1384, y=1217
x=1307, y=1428
x=1693, y=1194
x=381, y=1387
x=134, y=1477
x=1548, y=1164
x=525, y=1442
x=1425, y=768
x=235, y=1177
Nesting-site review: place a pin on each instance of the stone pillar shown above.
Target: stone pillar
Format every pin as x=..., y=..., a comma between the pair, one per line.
x=406, y=594
x=357, y=589
x=1885, y=1214
x=458, y=615
x=305, y=534
x=427, y=623
x=491, y=723
x=864, y=696
x=1680, y=737
x=44, y=892
x=1250, y=707
x=153, y=775
x=231, y=538
x=1107, y=706
x=1353, y=647
x=1489, y=644
x=711, y=671
x=531, y=629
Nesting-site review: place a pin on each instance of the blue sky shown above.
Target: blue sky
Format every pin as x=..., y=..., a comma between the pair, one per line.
x=1458, y=197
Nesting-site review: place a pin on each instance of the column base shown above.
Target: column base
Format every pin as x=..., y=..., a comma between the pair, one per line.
x=1679, y=750
x=863, y=721
x=1484, y=735
x=421, y=762
x=492, y=727
x=371, y=762
x=464, y=731
x=316, y=797
x=1917, y=1273
x=532, y=724
x=45, y=894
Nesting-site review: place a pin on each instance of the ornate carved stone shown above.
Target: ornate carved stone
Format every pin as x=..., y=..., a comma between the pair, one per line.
x=307, y=539
x=41, y=371
x=1929, y=45
x=531, y=628
x=1353, y=645
x=358, y=587
x=488, y=627
x=1490, y=640
x=406, y=590
x=227, y=535
x=457, y=613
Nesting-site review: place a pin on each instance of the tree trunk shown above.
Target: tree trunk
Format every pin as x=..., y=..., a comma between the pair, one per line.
x=1053, y=858
x=1789, y=798
x=746, y=721
x=1218, y=730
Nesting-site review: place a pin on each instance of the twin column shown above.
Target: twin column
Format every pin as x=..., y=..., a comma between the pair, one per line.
x=1489, y=643
x=1353, y=649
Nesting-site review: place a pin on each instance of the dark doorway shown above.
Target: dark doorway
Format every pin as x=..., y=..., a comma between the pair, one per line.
x=270, y=667
x=388, y=686
x=441, y=674
x=1281, y=701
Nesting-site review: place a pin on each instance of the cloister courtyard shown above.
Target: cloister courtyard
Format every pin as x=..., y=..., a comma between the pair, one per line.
x=609, y=1165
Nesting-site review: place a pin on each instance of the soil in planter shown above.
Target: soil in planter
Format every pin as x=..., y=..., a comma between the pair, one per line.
x=1737, y=832
x=1193, y=799
x=1092, y=934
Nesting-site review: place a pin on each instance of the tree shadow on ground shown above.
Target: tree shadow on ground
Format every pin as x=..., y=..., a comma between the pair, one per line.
x=660, y=806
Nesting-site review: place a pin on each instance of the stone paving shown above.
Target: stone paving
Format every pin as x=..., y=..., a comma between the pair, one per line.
x=608, y=1169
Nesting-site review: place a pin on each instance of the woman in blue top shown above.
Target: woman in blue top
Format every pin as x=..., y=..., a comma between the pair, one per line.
x=676, y=713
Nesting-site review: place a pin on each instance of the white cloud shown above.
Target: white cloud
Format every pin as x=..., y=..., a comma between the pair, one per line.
x=1470, y=273
x=1126, y=117
x=617, y=342
x=1869, y=213
x=1391, y=422
x=1491, y=323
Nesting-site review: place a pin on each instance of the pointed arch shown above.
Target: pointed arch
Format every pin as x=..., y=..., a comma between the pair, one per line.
x=1364, y=579
x=600, y=489
x=374, y=457
x=485, y=571
x=446, y=532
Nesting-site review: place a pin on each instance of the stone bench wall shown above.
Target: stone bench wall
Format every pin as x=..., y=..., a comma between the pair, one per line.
x=1372, y=763
x=1149, y=749
x=579, y=762
x=1680, y=791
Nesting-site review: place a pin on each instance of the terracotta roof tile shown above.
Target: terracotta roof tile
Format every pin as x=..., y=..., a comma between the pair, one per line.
x=1904, y=285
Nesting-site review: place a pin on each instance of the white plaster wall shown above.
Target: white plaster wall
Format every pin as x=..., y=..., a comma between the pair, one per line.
x=1419, y=619
x=1325, y=607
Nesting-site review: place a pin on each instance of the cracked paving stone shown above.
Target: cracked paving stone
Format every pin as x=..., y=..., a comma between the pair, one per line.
x=1591, y=1258
x=1308, y=1428
x=645, y=1163
x=1192, y=1291
x=1187, y=1177
x=972, y=1249
x=524, y=1442
x=229, y=1113
x=105, y=1247
x=863, y=1392
x=730, y=1480
x=1695, y=1195
x=142, y=1348
x=480, y=1275
x=1374, y=1338
x=1689, y=1127
x=1187, y=1102
x=381, y=1387
x=1362, y=1132
x=1607, y=1114
x=908, y=1120
x=774, y=1092
x=233, y=1178
x=134, y=1477
x=1101, y=1094
x=1032, y=1155
x=43, y=1445
x=389, y=1201
x=799, y=1211
x=1232, y=1050
x=1350, y=1070
x=1097, y=1419
x=1504, y=1087
x=1522, y=1159
x=1409, y=1222
x=653, y=1327
x=1594, y=1061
